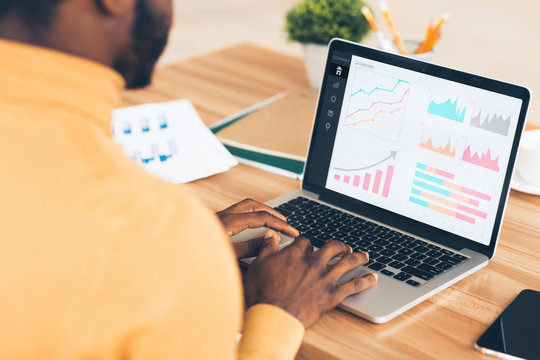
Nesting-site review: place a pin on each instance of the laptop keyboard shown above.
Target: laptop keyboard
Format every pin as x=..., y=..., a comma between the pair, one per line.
x=392, y=253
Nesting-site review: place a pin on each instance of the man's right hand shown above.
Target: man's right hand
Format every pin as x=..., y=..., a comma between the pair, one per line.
x=300, y=280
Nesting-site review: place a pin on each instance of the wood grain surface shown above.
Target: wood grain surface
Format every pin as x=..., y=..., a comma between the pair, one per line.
x=445, y=326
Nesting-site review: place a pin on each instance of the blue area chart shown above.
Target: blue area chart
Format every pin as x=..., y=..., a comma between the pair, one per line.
x=448, y=109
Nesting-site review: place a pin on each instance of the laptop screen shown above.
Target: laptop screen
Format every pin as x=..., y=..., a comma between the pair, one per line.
x=419, y=145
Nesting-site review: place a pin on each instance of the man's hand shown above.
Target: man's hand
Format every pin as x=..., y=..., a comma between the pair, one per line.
x=250, y=248
x=300, y=281
x=253, y=214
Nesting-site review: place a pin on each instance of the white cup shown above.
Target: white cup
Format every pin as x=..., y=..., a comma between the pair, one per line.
x=528, y=162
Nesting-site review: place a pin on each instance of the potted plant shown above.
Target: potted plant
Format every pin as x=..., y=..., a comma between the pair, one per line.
x=315, y=22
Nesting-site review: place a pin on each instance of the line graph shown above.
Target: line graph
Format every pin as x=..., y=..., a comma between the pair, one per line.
x=375, y=116
x=381, y=102
x=376, y=104
x=379, y=89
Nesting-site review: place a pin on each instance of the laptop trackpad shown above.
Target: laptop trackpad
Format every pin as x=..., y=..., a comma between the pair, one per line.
x=356, y=273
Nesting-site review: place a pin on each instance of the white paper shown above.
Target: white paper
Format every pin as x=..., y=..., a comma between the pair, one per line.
x=170, y=141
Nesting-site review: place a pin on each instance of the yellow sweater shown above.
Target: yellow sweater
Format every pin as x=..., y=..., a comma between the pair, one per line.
x=100, y=260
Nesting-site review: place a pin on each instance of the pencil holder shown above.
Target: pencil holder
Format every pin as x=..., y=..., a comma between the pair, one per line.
x=412, y=45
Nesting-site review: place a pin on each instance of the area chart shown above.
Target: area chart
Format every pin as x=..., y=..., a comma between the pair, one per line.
x=448, y=149
x=448, y=109
x=496, y=124
x=483, y=159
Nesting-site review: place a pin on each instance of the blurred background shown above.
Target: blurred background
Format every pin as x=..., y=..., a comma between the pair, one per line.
x=494, y=38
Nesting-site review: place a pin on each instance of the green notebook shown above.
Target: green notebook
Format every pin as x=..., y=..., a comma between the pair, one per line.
x=275, y=137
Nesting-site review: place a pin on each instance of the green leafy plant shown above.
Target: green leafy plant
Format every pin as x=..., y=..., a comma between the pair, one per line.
x=318, y=21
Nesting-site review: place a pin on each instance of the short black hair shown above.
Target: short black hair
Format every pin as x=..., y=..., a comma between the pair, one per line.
x=37, y=14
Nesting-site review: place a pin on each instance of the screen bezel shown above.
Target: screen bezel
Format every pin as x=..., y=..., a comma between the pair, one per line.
x=393, y=219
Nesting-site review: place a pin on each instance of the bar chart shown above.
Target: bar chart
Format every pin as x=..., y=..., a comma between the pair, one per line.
x=377, y=182
x=435, y=189
x=156, y=155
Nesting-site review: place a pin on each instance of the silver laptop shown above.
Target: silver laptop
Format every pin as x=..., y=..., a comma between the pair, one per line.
x=411, y=162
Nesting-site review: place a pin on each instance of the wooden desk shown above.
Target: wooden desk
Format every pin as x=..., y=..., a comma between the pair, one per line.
x=444, y=326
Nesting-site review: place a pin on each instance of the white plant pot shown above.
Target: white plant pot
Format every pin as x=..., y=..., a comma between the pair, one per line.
x=315, y=59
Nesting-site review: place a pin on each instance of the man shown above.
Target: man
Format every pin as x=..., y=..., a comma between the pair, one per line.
x=101, y=260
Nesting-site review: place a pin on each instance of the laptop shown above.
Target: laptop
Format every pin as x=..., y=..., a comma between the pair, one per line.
x=410, y=162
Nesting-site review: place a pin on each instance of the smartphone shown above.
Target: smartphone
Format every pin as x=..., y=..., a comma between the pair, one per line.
x=516, y=332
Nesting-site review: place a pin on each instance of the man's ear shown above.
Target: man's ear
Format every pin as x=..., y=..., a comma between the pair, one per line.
x=114, y=7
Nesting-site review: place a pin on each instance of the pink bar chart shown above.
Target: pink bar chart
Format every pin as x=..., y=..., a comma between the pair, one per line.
x=378, y=182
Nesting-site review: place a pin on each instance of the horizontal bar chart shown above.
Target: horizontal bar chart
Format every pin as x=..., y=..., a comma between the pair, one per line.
x=442, y=210
x=449, y=203
x=433, y=170
x=453, y=186
x=432, y=190
x=442, y=191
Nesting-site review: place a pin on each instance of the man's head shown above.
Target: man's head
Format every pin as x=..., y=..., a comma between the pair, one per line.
x=127, y=35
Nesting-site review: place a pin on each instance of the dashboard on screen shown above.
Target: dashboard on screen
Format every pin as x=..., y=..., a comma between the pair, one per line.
x=428, y=148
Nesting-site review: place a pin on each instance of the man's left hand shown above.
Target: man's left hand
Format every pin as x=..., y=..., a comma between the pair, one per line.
x=252, y=214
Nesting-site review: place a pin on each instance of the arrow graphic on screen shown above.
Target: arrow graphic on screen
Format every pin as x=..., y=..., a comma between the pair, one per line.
x=392, y=155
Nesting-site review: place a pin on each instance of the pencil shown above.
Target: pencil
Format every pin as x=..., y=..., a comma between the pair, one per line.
x=433, y=35
x=442, y=20
x=369, y=17
x=422, y=47
x=384, y=43
x=392, y=26
x=437, y=32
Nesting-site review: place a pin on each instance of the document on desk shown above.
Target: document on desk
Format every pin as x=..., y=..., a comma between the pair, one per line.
x=170, y=141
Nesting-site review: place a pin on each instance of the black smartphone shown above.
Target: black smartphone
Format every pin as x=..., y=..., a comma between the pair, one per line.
x=516, y=332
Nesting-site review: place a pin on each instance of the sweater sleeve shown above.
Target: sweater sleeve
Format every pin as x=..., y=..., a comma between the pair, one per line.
x=270, y=333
